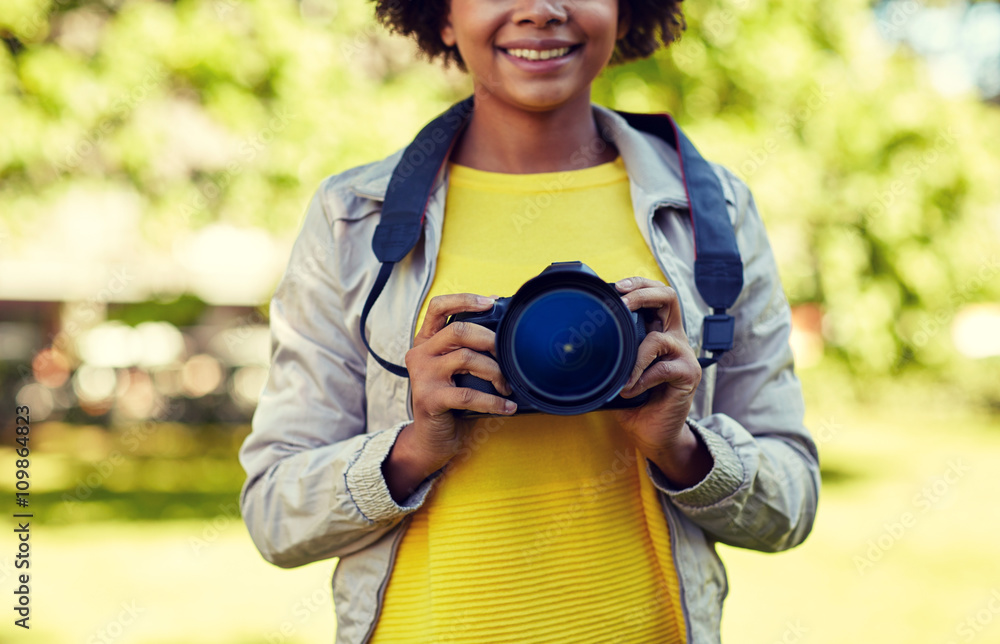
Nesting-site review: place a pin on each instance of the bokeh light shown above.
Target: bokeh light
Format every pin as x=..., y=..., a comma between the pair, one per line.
x=976, y=331
x=201, y=375
x=50, y=367
x=160, y=343
x=248, y=382
x=111, y=344
x=94, y=384
x=38, y=398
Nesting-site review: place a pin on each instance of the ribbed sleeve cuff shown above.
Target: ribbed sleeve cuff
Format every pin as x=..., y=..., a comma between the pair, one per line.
x=367, y=486
x=722, y=480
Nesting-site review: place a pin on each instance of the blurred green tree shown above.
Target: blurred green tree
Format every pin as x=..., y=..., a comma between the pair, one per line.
x=881, y=195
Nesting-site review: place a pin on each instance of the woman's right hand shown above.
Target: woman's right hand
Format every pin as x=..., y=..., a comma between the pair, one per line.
x=439, y=352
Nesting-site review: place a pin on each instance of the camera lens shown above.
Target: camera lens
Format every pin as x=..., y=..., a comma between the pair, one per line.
x=566, y=342
x=566, y=345
x=567, y=348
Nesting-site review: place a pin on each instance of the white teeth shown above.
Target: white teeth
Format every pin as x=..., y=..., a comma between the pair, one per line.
x=535, y=54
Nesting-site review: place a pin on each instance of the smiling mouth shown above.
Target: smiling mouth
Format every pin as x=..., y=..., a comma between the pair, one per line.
x=540, y=54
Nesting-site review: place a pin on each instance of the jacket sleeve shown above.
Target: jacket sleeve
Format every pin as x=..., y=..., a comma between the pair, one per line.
x=314, y=486
x=763, y=488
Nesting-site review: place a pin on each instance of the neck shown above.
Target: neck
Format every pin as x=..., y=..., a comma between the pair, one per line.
x=502, y=138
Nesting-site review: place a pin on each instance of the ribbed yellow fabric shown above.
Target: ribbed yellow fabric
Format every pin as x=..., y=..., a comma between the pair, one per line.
x=544, y=528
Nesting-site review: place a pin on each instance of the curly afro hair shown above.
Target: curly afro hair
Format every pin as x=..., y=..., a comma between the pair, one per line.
x=651, y=23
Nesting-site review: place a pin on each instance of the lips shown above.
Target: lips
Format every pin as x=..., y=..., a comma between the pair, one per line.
x=541, y=56
x=538, y=54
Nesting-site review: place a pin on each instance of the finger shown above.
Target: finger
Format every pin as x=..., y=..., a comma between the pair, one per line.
x=663, y=301
x=632, y=283
x=466, y=360
x=441, y=306
x=677, y=372
x=458, y=335
x=655, y=347
x=472, y=400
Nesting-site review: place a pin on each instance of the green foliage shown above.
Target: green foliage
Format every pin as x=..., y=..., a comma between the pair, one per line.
x=877, y=190
x=879, y=193
x=180, y=311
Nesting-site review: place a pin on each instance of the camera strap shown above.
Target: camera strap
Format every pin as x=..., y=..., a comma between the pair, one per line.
x=718, y=270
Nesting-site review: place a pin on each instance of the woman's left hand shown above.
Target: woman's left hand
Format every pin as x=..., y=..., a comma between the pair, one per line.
x=669, y=369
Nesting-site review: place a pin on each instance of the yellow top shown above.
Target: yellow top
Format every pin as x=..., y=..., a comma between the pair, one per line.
x=543, y=528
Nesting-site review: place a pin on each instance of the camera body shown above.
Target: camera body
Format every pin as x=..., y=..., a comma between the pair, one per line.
x=565, y=342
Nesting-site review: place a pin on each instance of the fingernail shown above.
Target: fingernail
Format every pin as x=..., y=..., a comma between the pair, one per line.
x=625, y=283
x=510, y=407
x=483, y=301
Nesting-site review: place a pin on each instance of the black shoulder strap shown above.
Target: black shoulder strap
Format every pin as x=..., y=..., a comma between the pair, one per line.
x=718, y=269
x=406, y=202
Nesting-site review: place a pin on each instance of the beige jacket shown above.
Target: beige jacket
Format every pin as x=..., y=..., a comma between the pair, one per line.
x=329, y=413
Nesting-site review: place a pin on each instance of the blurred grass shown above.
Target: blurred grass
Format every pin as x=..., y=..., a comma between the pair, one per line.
x=935, y=574
x=202, y=580
x=141, y=472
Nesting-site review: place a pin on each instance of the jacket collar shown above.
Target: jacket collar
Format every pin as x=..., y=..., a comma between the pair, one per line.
x=652, y=165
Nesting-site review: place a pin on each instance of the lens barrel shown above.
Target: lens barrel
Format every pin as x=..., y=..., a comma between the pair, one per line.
x=567, y=343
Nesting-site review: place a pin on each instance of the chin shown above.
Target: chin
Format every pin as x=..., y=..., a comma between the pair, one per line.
x=544, y=101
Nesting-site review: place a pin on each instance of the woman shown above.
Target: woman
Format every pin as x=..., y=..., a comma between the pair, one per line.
x=530, y=528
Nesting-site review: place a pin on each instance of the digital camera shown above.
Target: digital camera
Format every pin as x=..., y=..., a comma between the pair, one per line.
x=565, y=342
